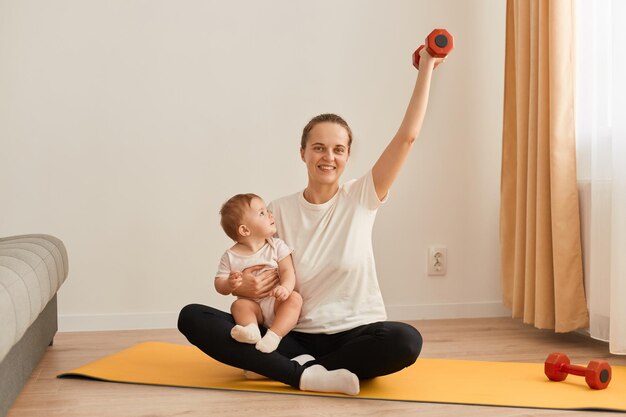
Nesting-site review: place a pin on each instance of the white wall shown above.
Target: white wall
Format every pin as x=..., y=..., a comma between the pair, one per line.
x=125, y=124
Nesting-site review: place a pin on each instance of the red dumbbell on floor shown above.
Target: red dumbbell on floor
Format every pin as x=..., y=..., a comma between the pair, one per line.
x=597, y=374
x=439, y=44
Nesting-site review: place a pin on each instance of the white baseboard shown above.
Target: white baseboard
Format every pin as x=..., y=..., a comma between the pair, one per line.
x=129, y=321
x=134, y=321
x=447, y=311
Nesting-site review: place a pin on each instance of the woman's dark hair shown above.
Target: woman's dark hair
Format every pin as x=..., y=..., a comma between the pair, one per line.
x=322, y=118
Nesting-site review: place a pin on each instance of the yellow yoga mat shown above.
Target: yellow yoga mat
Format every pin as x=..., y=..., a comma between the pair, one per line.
x=428, y=380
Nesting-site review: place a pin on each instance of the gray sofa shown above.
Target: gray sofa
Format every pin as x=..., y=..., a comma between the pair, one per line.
x=32, y=269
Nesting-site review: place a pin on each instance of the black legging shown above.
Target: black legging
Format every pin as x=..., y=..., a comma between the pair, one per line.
x=368, y=351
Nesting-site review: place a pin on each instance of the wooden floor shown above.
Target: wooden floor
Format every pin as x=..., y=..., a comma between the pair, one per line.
x=497, y=339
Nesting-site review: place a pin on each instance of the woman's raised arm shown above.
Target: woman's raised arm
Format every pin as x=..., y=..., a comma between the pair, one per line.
x=388, y=166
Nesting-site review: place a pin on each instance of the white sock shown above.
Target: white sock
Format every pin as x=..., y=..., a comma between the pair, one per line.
x=302, y=359
x=246, y=334
x=269, y=343
x=317, y=378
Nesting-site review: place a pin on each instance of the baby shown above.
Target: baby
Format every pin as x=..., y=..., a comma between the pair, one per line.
x=246, y=220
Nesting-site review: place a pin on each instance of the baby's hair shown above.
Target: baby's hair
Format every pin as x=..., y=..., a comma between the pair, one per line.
x=232, y=213
x=322, y=118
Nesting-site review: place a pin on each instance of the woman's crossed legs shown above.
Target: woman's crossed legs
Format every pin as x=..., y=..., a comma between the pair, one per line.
x=368, y=351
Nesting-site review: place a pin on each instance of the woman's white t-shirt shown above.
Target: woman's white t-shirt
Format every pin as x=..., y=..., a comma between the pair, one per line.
x=333, y=256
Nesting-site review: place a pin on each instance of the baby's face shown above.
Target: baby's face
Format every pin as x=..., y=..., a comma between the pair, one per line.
x=259, y=220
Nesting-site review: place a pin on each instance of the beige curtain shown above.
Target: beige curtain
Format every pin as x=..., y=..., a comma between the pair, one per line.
x=541, y=272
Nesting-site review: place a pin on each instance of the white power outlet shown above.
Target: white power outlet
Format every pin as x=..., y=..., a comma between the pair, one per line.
x=437, y=260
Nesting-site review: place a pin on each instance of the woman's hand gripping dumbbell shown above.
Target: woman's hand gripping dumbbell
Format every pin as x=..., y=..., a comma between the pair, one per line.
x=438, y=44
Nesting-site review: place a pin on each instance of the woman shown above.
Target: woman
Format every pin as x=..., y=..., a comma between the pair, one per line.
x=342, y=335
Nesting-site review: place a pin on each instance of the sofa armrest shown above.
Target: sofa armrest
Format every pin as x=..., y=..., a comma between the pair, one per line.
x=32, y=269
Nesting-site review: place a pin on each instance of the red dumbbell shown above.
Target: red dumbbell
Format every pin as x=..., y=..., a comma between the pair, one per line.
x=439, y=44
x=597, y=374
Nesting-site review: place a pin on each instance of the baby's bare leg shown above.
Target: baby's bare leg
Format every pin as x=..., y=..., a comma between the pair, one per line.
x=286, y=316
x=248, y=316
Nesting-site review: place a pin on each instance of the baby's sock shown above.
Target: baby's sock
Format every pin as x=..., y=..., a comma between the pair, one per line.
x=269, y=342
x=317, y=378
x=246, y=334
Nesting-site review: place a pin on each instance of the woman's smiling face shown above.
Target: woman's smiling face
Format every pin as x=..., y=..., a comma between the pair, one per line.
x=326, y=153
